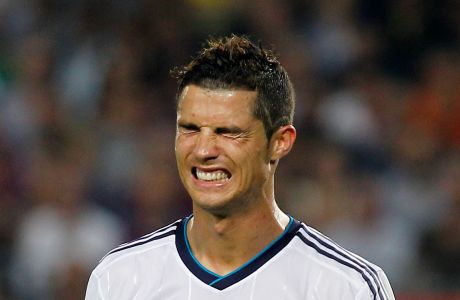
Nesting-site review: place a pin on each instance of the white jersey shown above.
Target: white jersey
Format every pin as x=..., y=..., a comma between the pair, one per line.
x=301, y=264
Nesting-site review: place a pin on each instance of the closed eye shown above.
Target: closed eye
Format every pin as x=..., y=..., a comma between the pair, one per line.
x=187, y=128
x=232, y=132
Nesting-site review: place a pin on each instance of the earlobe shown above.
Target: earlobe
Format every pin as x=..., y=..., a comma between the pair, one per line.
x=282, y=141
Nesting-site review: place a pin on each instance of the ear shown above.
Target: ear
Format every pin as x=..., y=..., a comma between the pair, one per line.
x=281, y=142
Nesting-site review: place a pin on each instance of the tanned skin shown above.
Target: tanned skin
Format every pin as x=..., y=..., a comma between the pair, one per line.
x=227, y=165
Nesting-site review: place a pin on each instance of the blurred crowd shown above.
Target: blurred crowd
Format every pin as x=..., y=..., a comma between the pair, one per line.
x=87, y=124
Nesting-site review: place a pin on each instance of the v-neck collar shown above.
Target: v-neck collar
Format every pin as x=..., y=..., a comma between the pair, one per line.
x=221, y=282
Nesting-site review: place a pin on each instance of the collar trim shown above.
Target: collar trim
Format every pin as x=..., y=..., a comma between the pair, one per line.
x=221, y=282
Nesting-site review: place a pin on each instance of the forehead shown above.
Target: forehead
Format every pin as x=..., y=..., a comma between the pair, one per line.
x=197, y=101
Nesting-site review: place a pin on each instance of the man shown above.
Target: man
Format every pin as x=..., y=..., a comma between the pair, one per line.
x=234, y=123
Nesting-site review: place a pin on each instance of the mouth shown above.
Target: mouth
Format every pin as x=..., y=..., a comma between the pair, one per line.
x=215, y=175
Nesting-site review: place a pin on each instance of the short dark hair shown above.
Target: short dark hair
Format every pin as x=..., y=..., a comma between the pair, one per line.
x=234, y=62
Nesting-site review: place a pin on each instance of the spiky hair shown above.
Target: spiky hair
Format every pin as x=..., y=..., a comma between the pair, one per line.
x=234, y=62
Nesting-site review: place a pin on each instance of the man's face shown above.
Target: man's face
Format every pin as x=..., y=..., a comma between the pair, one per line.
x=221, y=148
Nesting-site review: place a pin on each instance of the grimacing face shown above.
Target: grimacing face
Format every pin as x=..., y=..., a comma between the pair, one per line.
x=221, y=148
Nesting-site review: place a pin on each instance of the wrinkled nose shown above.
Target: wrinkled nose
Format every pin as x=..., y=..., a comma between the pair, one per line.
x=206, y=146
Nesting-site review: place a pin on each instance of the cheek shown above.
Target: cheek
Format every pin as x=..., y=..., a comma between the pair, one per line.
x=256, y=154
x=254, y=163
x=181, y=164
x=181, y=154
x=182, y=147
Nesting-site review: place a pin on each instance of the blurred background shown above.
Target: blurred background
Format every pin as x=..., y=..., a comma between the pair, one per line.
x=87, y=126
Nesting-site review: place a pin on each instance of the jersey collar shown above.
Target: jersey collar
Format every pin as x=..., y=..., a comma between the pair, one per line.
x=221, y=282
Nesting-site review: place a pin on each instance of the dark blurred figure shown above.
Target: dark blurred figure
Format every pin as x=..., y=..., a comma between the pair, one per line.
x=440, y=244
x=63, y=235
x=433, y=107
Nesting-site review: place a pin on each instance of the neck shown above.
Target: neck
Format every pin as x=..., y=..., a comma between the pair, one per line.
x=223, y=244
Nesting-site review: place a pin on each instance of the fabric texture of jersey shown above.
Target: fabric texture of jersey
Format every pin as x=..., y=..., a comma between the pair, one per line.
x=301, y=264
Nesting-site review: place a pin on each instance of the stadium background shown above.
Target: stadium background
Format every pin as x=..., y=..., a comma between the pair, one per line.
x=87, y=130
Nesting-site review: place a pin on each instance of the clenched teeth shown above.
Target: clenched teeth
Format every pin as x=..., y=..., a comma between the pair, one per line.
x=211, y=176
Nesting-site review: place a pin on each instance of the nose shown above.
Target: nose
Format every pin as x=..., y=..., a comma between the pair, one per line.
x=206, y=145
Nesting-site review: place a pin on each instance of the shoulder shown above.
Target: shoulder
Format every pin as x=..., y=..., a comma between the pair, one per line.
x=148, y=246
x=139, y=264
x=341, y=266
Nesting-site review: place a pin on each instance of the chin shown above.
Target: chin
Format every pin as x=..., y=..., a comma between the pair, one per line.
x=211, y=204
x=210, y=201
